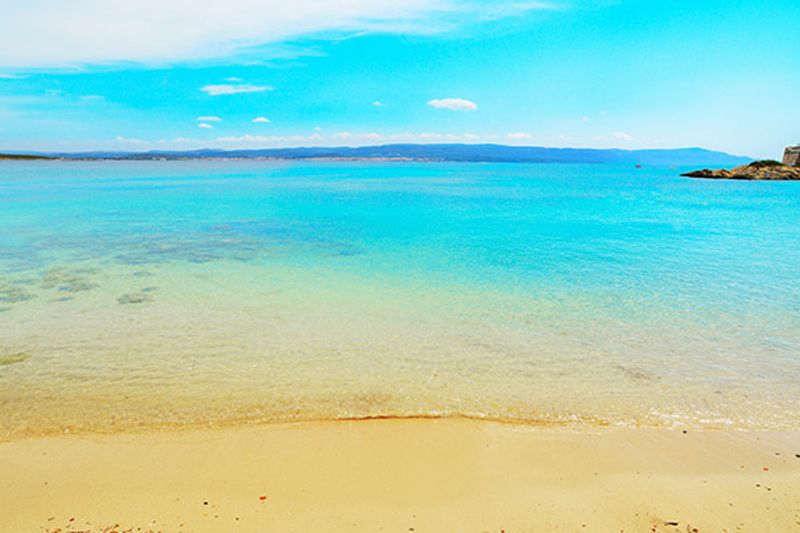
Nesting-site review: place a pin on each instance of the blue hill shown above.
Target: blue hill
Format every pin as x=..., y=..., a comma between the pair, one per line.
x=451, y=152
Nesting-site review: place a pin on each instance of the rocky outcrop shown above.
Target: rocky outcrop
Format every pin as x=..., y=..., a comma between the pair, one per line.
x=759, y=170
x=791, y=156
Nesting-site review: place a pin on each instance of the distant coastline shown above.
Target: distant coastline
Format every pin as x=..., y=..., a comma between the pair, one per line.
x=467, y=153
x=24, y=157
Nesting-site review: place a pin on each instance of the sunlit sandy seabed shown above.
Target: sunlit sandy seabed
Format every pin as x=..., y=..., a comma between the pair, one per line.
x=174, y=294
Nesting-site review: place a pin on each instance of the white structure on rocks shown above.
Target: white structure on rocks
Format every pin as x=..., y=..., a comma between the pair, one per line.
x=791, y=156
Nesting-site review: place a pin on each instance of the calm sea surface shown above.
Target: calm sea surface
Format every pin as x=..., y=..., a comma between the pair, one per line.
x=175, y=294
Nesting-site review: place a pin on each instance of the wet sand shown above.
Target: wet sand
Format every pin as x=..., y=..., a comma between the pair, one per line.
x=404, y=475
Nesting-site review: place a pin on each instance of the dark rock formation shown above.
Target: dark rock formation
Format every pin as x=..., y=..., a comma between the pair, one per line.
x=759, y=170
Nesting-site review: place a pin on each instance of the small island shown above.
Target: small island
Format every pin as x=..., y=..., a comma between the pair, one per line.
x=767, y=170
x=22, y=157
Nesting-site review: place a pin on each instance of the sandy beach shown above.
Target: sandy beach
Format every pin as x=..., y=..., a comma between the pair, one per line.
x=404, y=475
x=402, y=266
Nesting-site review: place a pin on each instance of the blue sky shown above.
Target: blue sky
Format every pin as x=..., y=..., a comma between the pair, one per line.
x=148, y=74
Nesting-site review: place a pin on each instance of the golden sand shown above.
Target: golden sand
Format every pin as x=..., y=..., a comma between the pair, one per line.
x=404, y=475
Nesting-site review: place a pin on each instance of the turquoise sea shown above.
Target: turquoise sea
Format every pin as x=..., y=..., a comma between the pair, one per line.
x=150, y=295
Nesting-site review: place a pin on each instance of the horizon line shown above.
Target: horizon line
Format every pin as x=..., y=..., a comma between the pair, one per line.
x=5, y=151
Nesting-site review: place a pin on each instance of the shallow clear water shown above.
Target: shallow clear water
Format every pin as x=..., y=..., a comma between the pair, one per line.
x=170, y=294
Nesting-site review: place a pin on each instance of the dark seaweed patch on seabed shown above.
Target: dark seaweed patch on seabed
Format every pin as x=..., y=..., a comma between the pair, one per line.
x=11, y=295
x=194, y=249
x=19, y=259
x=240, y=241
x=24, y=281
x=13, y=358
x=135, y=298
x=65, y=280
x=635, y=374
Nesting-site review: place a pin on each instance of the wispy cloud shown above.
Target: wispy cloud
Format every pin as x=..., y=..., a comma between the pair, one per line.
x=261, y=120
x=208, y=119
x=454, y=104
x=378, y=103
x=499, y=10
x=99, y=32
x=205, y=126
x=217, y=90
x=519, y=135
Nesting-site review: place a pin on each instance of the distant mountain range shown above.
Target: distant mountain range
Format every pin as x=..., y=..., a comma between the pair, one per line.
x=489, y=153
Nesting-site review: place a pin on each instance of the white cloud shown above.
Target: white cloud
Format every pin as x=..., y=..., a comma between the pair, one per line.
x=208, y=119
x=157, y=32
x=519, y=135
x=453, y=104
x=261, y=120
x=621, y=135
x=378, y=103
x=216, y=90
x=205, y=125
x=233, y=79
x=128, y=140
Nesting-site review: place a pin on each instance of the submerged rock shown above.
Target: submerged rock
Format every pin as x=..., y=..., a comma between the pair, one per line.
x=758, y=170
